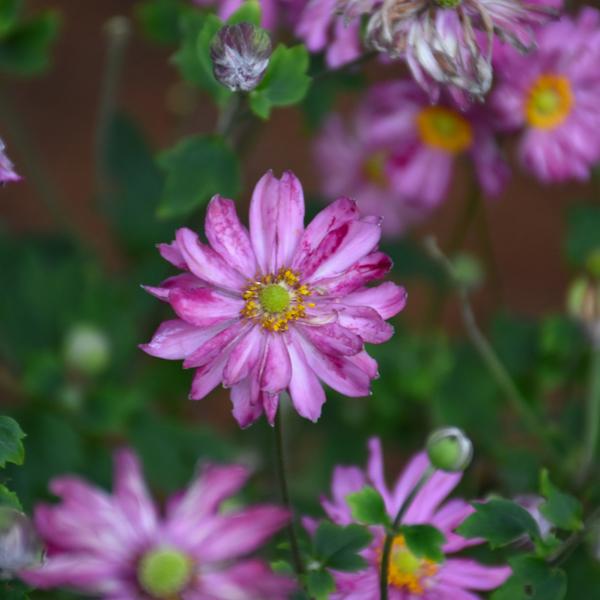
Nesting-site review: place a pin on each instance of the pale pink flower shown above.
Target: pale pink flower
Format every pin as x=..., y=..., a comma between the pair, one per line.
x=410, y=577
x=121, y=547
x=278, y=308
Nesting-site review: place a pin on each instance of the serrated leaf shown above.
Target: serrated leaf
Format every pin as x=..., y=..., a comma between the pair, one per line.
x=563, y=510
x=368, y=507
x=286, y=81
x=424, y=541
x=193, y=56
x=532, y=579
x=9, y=498
x=499, y=522
x=11, y=442
x=320, y=584
x=25, y=49
x=337, y=547
x=197, y=168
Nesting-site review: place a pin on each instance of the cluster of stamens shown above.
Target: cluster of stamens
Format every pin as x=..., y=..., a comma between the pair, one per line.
x=408, y=572
x=276, y=299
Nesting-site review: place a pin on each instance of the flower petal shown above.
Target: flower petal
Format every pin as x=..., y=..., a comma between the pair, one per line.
x=305, y=390
x=247, y=401
x=217, y=346
x=243, y=358
x=388, y=299
x=204, y=307
x=276, y=369
x=469, y=574
x=207, y=378
x=171, y=253
x=333, y=339
x=365, y=322
x=176, y=339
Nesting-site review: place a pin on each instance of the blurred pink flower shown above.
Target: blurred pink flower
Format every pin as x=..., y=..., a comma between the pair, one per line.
x=120, y=547
x=553, y=96
x=225, y=8
x=399, y=155
x=280, y=307
x=7, y=169
x=410, y=577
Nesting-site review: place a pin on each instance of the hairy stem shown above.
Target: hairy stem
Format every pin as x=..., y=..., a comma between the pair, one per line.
x=389, y=538
x=285, y=495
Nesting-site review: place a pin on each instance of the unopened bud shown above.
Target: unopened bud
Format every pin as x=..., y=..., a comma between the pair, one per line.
x=240, y=55
x=468, y=270
x=20, y=546
x=449, y=449
x=583, y=304
x=87, y=349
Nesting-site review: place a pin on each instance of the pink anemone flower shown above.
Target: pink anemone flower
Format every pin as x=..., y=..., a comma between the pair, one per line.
x=120, y=547
x=410, y=577
x=280, y=307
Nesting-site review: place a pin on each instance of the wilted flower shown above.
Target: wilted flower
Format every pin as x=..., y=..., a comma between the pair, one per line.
x=7, y=169
x=20, y=545
x=240, y=56
x=281, y=307
x=410, y=576
x=447, y=42
x=120, y=546
x=552, y=95
x=400, y=153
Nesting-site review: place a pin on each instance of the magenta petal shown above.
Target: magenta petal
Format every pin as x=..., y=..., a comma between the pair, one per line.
x=243, y=358
x=204, y=307
x=376, y=474
x=206, y=264
x=388, y=299
x=276, y=220
x=365, y=363
x=185, y=281
x=218, y=346
x=305, y=390
x=247, y=402
x=207, y=378
x=276, y=369
x=469, y=574
x=365, y=322
x=229, y=237
x=345, y=481
x=333, y=339
x=270, y=404
x=171, y=253
x=176, y=339
x=431, y=496
x=409, y=479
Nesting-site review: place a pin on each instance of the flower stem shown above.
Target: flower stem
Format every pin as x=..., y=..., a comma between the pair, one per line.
x=592, y=418
x=389, y=538
x=285, y=495
x=489, y=357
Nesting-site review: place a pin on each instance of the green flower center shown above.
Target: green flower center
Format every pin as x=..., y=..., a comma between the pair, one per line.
x=547, y=101
x=164, y=572
x=406, y=562
x=274, y=298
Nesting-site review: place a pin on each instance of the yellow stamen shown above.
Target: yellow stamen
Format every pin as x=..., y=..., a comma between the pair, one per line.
x=407, y=571
x=444, y=128
x=550, y=101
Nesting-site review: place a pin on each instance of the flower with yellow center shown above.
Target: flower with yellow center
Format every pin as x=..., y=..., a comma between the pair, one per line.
x=275, y=300
x=407, y=571
x=444, y=128
x=374, y=170
x=549, y=101
x=164, y=572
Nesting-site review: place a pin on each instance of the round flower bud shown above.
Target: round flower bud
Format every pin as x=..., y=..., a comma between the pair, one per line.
x=87, y=350
x=20, y=546
x=449, y=449
x=240, y=55
x=164, y=572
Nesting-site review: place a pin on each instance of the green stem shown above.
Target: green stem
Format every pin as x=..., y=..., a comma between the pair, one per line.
x=389, y=538
x=285, y=495
x=489, y=357
x=592, y=417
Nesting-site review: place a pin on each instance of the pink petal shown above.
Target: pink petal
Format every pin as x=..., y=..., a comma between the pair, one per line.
x=206, y=264
x=277, y=369
x=176, y=339
x=376, y=473
x=243, y=358
x=388, y=299
x=469, y=574
x=229, y=237
x=450, y=592
x=333, y=339
x=365, y=363
x=365, y=322
x=204, y=307
x=207, y=378
x=276, y=220
x=345, y=481
x=218, y=346
x=270, y=404
x=246, y=400
x=185, y=281
x=408, y=479
x=171, y=253
x=305, y=390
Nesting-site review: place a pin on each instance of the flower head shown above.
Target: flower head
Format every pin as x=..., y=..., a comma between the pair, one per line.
x=410, y=577
x=7, y=169
x=401, y=151
x=552, y=95
x=279, y=307
x=120, y=547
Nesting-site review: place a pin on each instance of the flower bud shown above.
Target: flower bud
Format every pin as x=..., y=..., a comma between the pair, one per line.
x=240, y=55
x=87, y=349
x=468, y=271
x=20, y=546
x=449, y=449
x=583, y=304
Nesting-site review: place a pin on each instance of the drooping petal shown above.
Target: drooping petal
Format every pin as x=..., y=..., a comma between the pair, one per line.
x=388, y=299
x=305, y=390
x=229, y=237
x=204, y=307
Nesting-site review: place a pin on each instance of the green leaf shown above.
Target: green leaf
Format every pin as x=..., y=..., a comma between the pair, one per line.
x=13, y=590
x=248, y=12
x=197, y=168
x=561, y=509
x=193, y=57
x=11, y=444
x=25, y=50
x=9, y=498
x=337, y=547
x=320, y=584
x=161, y=19
x=9, y=11
x=286, y=81
x=583, y=237
x=424, y=541
x=532, y=579
x=499, y=522
x=367, y=507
